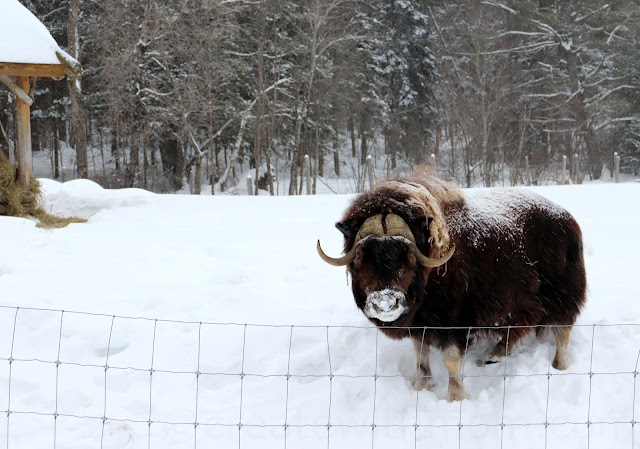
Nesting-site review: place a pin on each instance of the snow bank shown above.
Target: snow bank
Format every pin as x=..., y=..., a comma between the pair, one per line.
x=84, y=198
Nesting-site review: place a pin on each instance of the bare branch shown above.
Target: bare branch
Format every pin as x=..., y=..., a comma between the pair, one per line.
x=499, y=5
x=616, y=120
x=604, y=95
x=50, y=13
x=586, y=16
x=201, y=148
x=614, y=32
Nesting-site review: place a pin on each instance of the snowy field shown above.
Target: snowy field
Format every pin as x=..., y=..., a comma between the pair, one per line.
x=192, y=262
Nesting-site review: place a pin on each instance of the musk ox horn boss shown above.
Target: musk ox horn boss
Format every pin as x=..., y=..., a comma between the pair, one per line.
x=429, y=262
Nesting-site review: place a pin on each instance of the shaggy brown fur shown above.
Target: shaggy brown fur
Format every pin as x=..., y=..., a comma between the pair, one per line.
x=518, y=262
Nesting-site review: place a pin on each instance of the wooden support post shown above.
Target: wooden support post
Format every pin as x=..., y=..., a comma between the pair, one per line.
x=527, y=176
x=249, y=185
x=576, y=169
x=616, y=165
x=372, y=175
x=433, y=163
x=23, y=125
x=563, y=177
x=307, y=173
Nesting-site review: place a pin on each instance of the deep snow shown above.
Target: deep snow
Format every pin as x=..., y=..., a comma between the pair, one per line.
x=240, y=260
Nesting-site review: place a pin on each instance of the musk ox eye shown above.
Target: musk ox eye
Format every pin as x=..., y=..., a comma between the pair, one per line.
x=412, y=255
x=358, y=255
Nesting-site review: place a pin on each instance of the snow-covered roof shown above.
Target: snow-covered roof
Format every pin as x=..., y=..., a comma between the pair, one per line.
x=23, y=38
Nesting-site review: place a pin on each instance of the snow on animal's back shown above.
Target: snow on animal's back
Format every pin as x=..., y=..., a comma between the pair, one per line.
x=488, y=213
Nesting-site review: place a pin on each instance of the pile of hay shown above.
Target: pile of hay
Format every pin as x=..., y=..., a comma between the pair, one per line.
x=16, y=202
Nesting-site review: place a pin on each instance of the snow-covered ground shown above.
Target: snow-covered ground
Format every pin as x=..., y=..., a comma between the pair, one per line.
x=224, y=259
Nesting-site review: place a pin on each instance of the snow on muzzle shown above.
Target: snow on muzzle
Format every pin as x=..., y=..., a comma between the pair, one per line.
x=385, y=305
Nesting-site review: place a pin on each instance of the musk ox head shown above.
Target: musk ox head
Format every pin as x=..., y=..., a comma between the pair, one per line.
x=386, y=267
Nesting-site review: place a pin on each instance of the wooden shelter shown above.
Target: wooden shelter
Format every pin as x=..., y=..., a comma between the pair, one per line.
x=28, y=52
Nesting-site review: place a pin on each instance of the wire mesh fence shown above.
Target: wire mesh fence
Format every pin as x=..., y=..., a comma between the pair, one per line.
x=76, y=379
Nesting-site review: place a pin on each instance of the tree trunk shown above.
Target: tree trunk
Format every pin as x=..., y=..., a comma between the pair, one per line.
x=392, y=145
x=317, y=165
x=352, y=130
x=115, y=147
x=145, y=162
x=336, y=154
x=295, y=157
x=78, y=130
x=197, y=188
x=236, y=148
x=583, y=119
x=363, y=148
x=56, y=153
x=259, y=106
x=319, y=156
x=268, y=158
x=436, y=149
x=172, y=159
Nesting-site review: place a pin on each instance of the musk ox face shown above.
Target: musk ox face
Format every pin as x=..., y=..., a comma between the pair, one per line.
x=385, y=262
x=382, y=271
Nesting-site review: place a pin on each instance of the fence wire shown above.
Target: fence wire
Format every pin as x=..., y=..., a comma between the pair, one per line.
x=151, y=420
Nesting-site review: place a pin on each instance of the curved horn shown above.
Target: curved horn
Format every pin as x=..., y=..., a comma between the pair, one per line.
x=371, y=226
x=339, y=261
x=432, y=263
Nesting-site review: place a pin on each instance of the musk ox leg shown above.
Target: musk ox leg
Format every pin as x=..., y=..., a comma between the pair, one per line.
x=423, y=379
x=453, y=363
x=562, y=334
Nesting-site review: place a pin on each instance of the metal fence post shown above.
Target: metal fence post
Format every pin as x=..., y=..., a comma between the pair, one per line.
x=249, y=185
x=616, y=165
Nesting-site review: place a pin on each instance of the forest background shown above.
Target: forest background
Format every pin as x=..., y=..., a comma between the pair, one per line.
x=196, y=92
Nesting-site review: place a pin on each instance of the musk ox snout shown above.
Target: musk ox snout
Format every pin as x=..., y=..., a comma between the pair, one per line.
x=385, y=305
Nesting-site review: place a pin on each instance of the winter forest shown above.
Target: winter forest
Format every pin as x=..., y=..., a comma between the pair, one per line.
x=194, y=93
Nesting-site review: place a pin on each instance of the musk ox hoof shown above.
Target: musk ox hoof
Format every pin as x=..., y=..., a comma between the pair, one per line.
x=423, y=383
x=457, y=394
x=560, y=364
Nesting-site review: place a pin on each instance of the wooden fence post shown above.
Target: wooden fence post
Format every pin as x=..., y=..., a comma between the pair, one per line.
x=249, y=185
x=576, y=168
x=616, y=164
x=563, y=178
x=433, y=163
x=527, y=176
x=372, y=177
x=307, y=170
x=23, y=125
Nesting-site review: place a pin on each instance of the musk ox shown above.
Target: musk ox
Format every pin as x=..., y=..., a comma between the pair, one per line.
x=424, y=255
